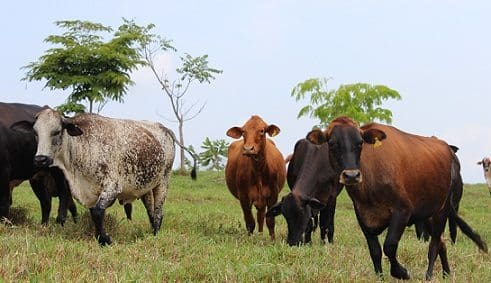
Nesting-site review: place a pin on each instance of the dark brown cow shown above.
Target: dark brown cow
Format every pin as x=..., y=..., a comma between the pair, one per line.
x=255, y=170
x=314, y=188
x=409, y=178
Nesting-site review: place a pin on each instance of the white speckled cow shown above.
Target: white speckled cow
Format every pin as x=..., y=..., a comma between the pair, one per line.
x=486, y=167
x=105, y=159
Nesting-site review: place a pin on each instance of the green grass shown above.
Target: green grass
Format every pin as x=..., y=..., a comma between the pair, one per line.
x=203, y=238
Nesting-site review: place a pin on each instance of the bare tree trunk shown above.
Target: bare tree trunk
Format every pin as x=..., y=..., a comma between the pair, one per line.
x=181, y=140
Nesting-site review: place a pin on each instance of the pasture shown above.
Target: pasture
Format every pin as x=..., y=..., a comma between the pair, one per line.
x=203, y=238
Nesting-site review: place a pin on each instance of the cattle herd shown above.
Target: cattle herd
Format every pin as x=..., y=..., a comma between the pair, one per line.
x=394, y=179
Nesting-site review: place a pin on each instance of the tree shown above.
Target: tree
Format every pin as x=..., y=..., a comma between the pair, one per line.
x=95, y=70
x=359, y=101
x=193, y=69
x=214, y=154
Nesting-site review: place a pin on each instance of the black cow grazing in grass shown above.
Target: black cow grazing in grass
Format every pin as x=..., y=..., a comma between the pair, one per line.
x=16, y=165
x=406, y=179
x=314, y=188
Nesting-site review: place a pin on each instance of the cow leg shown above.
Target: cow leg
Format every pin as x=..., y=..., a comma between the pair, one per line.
x=373, y=245
x=97, y=214
x=41, y=192
x=249, y=219
x=270, y=221
x=128, y=208
x=106, y=199
x=159, y=196
x=260, y=218
x=5, y=195
x=327, y=221
x=437, y=247
x=396, y=228
x=64, y=194
x=149, y=203
x=73, y=209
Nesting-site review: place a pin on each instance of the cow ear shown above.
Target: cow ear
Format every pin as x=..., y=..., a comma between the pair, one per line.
x=316, y=136
x=22, y=126
x=234, y=132
x=275, y=210
x=373, y=136
x=272, y=130
x=479, y=162
x=73, y=130
x=316, y=204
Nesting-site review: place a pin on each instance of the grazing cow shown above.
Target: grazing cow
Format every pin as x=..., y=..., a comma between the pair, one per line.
x=310, y=179
x=105, y=159
x=16, y=165
x=255, y=170
x=407, y=179
x=486, y=166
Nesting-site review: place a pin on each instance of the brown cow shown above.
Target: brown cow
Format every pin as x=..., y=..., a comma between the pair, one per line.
x=486, y=167
x=255, y=171
x=409, y=178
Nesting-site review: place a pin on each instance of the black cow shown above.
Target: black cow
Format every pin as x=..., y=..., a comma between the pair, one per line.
x=16, y=165
x=314, y=188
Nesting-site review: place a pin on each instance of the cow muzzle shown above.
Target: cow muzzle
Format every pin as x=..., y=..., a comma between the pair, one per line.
x=42, y=161
x=248, y=150
x=350, y=177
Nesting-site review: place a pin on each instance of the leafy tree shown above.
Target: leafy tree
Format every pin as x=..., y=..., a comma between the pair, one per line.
x=214, y=154
x=193, y=69
x=359, y=101
x=95, y=70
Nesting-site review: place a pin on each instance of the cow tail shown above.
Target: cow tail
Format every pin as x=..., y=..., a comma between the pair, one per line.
x=456, y=188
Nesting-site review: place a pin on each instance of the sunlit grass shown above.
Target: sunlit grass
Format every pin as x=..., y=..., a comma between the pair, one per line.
x=203, y=238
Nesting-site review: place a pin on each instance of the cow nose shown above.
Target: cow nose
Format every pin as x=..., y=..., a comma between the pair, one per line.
x=42, y=161
x=248, y=149
x=349, y=177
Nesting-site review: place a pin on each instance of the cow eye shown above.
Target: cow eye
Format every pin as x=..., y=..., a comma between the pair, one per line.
x=262, y=132
x=55, y=133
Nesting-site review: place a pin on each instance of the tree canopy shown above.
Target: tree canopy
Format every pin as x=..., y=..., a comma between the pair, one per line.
x=360, y=101
x=94, y=70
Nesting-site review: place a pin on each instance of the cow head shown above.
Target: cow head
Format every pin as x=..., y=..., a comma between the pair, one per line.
x=345, y=140
x=254, y=133
x=486, y=163
x=300, y=213
x=49, y=128
x=486, y=166
x=308, y=173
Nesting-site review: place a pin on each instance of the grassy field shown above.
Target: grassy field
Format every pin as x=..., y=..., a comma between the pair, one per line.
x=203, y=238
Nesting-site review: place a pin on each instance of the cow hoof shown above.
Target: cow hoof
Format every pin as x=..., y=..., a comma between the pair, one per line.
x=60, y=221
x=400, y=273
x=104, y=240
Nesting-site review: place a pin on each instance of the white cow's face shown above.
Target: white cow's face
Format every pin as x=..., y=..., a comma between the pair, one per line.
x=49, y=130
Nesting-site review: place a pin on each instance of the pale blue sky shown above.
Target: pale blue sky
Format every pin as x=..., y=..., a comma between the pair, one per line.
x=437, y=54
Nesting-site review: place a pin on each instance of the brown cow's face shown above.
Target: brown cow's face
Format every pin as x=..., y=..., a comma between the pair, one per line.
x=254, y=134
x=345, y=146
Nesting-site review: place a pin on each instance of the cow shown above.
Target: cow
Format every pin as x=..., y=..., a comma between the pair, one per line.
x=255, y=171
x=314, y=188
x=406, y=179
x=107, y=159
x=16, y=165
x=486, y=166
